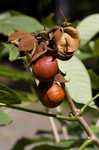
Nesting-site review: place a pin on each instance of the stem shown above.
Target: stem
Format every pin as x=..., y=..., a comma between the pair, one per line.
x=81, y=119
x=62, y=117
x=63, y=125
x=86, y=143
x=86, y=105
x=54, y=129
x=53, y=126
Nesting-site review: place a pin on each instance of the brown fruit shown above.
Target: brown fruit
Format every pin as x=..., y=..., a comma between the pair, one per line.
x=45, y=68
x=51, y=94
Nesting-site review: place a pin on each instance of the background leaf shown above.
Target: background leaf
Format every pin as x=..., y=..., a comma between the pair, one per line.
x=94, y=79
x=79, y=85
x=13, y=51
x=47, y=147
x=69, y=143
x=22, y=22
x=8, y=96
x=4, y=118
x=14, y=74
x=88, y=28
x=23, y=142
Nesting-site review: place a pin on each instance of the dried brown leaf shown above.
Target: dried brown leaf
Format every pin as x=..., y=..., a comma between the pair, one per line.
x=28, y=43
x=41, y=50
x=17, y=35
x=73, y=40
x=37, y=55
x=67, y=41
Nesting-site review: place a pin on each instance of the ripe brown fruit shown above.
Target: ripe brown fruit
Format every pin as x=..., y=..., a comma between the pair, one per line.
x=45, y=68
x=51, y=94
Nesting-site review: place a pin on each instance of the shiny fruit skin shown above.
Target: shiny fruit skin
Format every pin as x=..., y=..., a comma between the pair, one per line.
x=45, y=68
x=51, y=94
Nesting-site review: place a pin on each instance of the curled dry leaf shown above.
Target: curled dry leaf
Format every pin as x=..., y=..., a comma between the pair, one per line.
x=17, y=36
x=28, y=43
x=25, y=41
x=74, y=41
x=41, y=50
x=67, y=41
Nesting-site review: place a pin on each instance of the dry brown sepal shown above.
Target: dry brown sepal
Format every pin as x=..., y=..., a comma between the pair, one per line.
x=59, y=77
x=25, y=41
x=41, y=50
x=67, y=41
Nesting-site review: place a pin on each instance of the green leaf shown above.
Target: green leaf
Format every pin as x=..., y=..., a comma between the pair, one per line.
x=23, y=142
x=63, y=145
x=5, y=28
x=49, y=21
x=70, y=143
x=84, y=55
x=88, y=28
x=47, y=147
x=79, y=84
x=11, y=73
x=3, y=50
x=96, y=48
x=13, y=51
x=22, y=22
x=4, y=118
x=27, y=97
x=91, y=148
x=94, y=79
x=5, y=15
x=8, y=96
x=74, y=129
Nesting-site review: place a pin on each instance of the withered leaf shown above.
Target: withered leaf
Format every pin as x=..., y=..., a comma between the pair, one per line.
x=60, y=78
x=37, y=55
x=57, y=35
x=28, y=43
x=67, y=41
x=41, y=50
x=73, y=40
x=17, y=35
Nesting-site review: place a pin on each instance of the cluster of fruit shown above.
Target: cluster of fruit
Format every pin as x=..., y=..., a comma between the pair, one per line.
x=51, y=94
x=42, y=50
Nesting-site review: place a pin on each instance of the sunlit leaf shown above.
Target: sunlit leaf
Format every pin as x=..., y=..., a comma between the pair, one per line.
x=88, y=28
x=22, y=22
x=79, y=84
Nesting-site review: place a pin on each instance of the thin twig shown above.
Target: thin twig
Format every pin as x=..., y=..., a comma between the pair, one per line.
x=54, y=129
x=81, y=120
x=62, y=117
x=53, y=126
x=87, y=104
x=63, y=125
